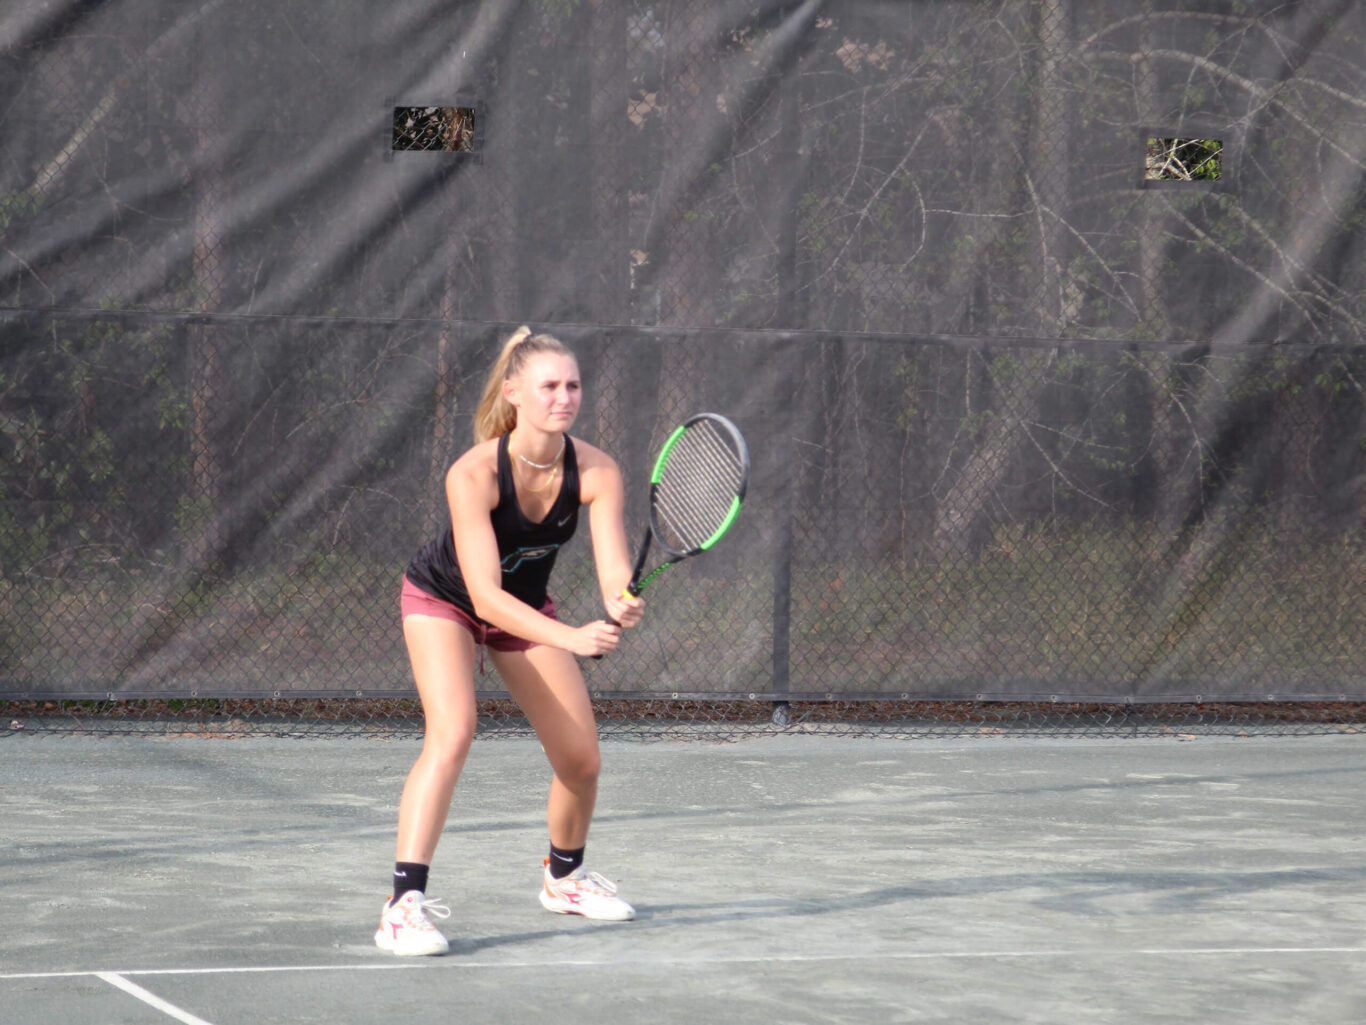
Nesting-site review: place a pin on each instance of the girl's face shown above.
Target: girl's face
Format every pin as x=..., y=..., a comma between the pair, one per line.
x=547, y=392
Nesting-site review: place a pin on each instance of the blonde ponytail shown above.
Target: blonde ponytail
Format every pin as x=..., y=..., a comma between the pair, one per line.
x=495, y=416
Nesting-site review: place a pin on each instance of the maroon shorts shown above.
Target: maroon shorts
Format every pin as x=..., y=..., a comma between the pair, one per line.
x=417, y=602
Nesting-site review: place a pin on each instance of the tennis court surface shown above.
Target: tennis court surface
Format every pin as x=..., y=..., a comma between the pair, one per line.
x=156, y=880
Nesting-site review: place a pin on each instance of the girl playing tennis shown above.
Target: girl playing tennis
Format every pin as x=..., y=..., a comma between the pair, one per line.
x=514, y=499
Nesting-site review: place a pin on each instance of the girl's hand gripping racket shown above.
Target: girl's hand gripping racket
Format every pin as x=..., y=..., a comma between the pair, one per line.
x=696, y=489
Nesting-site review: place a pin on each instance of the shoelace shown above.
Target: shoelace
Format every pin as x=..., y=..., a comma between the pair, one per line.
x=433, y=906
x=593, y=881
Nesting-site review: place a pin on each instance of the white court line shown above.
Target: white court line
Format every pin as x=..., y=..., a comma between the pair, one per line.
x=151, y=999
x=456, y=962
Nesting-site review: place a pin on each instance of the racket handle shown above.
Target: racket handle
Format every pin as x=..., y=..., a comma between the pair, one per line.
x=626, y=593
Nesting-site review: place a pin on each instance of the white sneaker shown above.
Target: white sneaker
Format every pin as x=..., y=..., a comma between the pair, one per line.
x=405, y=929
x=584, y=893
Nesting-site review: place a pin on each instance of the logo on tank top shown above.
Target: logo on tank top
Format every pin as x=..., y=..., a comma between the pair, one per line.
x=514, y=561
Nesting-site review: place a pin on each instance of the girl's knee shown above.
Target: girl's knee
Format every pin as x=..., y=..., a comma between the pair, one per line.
x=579, y=769
x=448, y=746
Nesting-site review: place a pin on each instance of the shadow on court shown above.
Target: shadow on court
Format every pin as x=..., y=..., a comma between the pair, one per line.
x=782, y=879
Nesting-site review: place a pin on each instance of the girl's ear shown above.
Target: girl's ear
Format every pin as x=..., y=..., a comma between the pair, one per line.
x=510, y=391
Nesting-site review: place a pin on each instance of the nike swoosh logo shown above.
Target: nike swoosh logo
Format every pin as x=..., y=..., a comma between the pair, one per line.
x=562, y=522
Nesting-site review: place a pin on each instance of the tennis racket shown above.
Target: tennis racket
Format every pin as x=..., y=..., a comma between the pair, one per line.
x=696, y=489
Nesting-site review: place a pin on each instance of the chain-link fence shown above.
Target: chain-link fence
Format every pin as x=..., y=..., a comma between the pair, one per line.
x=1043, y=320
x=710, y=720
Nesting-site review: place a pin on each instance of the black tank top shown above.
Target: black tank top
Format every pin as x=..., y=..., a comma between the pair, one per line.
x=526, y=549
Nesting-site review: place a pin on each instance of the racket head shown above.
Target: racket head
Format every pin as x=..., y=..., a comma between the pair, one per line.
x=698, y=484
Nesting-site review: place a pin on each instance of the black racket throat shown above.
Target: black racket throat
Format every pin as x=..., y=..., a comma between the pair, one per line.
x=633, y=588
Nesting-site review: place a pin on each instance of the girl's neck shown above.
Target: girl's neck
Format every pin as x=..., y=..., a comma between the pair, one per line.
x=535, y=447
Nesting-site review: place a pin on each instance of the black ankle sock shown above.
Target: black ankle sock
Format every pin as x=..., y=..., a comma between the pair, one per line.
x=409, y=875
x=563, y=862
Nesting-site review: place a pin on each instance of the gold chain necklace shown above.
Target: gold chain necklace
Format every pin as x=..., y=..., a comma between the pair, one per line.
x=554, y=472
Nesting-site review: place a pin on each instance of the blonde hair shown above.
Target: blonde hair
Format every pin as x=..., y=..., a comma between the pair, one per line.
x=495, y=415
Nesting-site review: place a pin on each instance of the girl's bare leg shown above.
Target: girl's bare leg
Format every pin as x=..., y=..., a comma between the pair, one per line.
x=548, y=686
x=442, y=654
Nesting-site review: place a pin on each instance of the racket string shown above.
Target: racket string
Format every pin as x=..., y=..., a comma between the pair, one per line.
x=697, y=488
